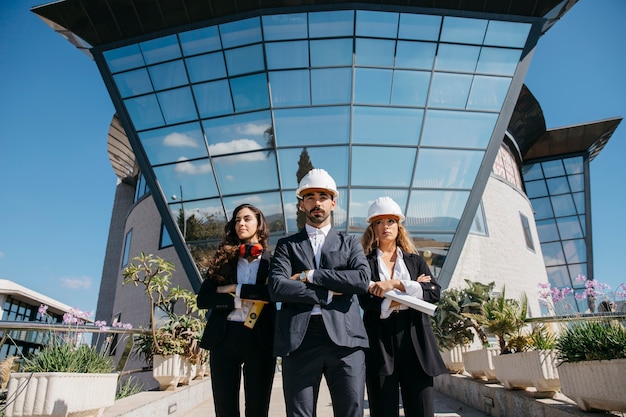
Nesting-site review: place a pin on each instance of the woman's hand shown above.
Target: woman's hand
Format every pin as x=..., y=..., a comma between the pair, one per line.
x=379, y=288
x=223, y=289
x=423, y=278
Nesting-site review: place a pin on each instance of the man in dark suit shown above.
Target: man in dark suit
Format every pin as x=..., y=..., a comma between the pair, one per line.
x=316, y=274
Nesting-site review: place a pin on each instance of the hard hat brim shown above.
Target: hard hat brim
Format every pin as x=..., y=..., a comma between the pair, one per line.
x=376, y=217
x=301, y=192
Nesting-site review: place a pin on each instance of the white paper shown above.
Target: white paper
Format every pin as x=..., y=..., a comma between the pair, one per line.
x=413, y=302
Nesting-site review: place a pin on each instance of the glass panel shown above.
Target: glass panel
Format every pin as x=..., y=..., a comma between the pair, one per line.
x=333, y=159
x=582, y=220
x=527, y=233
x=200, y=41
x=243, y=132
x=294, y=54
x=124, y=58
x=172, y=144
x=569, y=228
x=553, y=168
x=168, y=75
x=579, y=201
x=360, y=201
x=206, y=67
x=536, y=189
x=330, y=52
x=166, y=240
x=552, y=254
x=241, y=32
x=563, y=205
x=574, y=165
x=126, y=252
x=160, y=49
x=575, y=251
x=576, y=182
x=450, y=90
x=244, y=60
x=316, y=125
x=376, y=24
x=331, y=24
x=378, y=125
x=511, y=34
x=372, y=86
x=463, y=30
x=488, y=93
x=498, y=61
x=479, y=225
x=458, y=129
x=177, y=105
x=438, y=168
x=542, y=208
x=558, y=185
x=331, y=86
x=375, y=52
x=195, y=178
x=204, y=220
x=250, y=93
x=420, y=55
x=532, y=172
x=284, y=26
x=213, y=99
x=291, y=211
x=133, y=83
x=457, y=58
x=419, y=26
x=290, y=88
x=382, y=166
x=410, y=88
x=245, y=173
x=268, y=203
x=431, y=210
x=144, y=112
x=547, y=231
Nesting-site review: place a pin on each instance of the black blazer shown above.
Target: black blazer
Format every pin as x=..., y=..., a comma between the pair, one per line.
x=379, y=358
x=221, y=305
x=343, y=268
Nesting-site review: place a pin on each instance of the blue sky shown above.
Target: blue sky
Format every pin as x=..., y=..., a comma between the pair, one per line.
x=57, y=184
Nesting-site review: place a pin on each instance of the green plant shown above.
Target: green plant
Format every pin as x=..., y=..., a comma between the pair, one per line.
x=592, y=340
x=128, y=387
x=541, y=338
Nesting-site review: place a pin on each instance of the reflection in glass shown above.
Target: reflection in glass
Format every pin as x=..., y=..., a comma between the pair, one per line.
x=392, y=126
x=376, y=24
x=250, y=93
x=498, y=61
x=374, y=52
x=174, y=143
x=331, y=86
x=360, y=201
x=552, y=254
x=553, y=168
x=133, y=83
x=450, y=90
x=177, y=105
x=268, y=203
x=418, y=55
x=458, y=129
x=463, y=30
x=574, y=165
x=512, y=34
x=144, y=111
x=431, y=210
x=247, y=172
x=563, y=205
x=419, y=27
x=206, y=67
x=382, y=166
x=532, y=172
x=536, y=189
x=315, y=125
x=575, y=250
x=293, y=54
x=461, y=58
x=579, y=201
x=290, y=88
x=410, y=88
x=195, y=177
x=200, y=40
x=331, y=24
x=239, y=133
x=213, y=98
x=488, y=93
x=124, y=58
x=168, y=75
x=576, y=182
x=160, y=49
x=439, y=168
x=372, y=86
x=569, y=228
x=558, y=185
x=284, y=26
x=542, y=208
x=244, y=60
x=331, y=52
x=333, y=159
x=241, y=32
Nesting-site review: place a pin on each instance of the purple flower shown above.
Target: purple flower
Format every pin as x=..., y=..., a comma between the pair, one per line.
x=43, y=309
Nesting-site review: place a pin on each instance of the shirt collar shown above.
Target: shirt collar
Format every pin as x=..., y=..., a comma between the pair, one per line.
x=312, y=231
x=399, y=253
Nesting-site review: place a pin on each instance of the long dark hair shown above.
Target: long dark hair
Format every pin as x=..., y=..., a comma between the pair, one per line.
x=226, y=256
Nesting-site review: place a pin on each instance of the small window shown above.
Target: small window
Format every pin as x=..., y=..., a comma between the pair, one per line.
x=479, y=225
x=166, y=240
x=527, y=233
x=129, y=237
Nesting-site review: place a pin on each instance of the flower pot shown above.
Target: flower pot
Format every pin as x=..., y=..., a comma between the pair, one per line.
x=479, y=363
x=189, y=372
x=453, y=358
x=595, y=385
x=535, y=368
x=169, y=371
x=60, y=394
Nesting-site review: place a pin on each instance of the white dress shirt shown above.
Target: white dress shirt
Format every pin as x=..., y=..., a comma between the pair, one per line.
x=246, y=274
x=400, y=271
x=317, y=237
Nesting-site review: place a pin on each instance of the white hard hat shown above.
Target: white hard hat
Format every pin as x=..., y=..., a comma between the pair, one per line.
x=384, y=206
x=317, y=179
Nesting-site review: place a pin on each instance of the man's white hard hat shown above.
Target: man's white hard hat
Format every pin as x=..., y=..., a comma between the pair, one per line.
x=317, y=179
x=384, y=206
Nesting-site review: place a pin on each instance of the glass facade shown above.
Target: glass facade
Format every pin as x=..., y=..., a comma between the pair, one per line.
x=389, y=103
x=557, y=191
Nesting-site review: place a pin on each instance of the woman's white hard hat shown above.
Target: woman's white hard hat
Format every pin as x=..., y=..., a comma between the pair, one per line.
x=384, y=206
x=317, y=179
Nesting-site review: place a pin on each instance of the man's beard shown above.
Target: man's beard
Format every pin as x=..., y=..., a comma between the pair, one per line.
x=318, y=218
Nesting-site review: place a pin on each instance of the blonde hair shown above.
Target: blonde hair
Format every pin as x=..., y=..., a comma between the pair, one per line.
x=403, y=240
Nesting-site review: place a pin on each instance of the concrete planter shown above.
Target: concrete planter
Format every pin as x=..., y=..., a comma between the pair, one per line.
x=453, y=358
x=535, y=368
x=60, y=394
x=595, y=385
x=169, y=371
x=479, y=363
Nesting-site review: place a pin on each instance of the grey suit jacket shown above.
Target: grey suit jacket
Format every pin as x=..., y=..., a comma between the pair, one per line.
x=343, y=268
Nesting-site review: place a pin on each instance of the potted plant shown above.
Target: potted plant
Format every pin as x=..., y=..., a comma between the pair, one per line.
x=171, y=346
x=593, y=364
x=66, y=377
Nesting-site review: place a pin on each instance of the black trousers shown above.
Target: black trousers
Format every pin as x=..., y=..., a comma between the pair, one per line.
x=239, y=353
x=342, y=367
x=415, y=385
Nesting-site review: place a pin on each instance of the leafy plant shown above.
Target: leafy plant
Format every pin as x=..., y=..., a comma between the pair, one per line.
x=542, y=338
x=593, y=340
x=127, y=388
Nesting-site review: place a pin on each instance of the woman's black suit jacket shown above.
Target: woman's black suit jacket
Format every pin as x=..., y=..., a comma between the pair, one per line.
x=379, y=357
x=221, y=305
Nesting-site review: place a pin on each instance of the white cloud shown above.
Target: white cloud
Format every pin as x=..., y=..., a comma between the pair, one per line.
x=252, y=129
x=180, y=140
x=230, y=178
x=238, y=145
x=80, y=283
x=192, y=169
x=1, y=254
